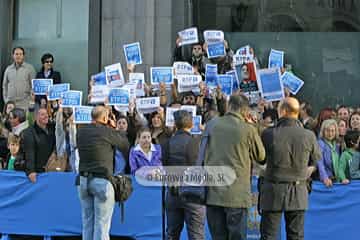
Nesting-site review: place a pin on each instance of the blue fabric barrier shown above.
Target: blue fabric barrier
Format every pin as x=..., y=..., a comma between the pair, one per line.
x=51, y=208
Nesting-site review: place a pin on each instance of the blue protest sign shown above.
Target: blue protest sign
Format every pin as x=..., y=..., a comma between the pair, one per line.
x=226, y=83
x=210, y=75
x=216, y=50
x=276, y=59
x=114, y=75
x=270, y=85
x=82, y=114
x=99, y=79
x=119, y=96
x=133, y=53
x=55, y=91
x=71, y=98
x=196, y=130
x=292, y=82
x=233, y=73
x=161, y=74
x=41, y=86
x=188, y=36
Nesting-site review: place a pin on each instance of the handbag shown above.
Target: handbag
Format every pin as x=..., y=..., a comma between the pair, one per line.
x=56, y=163
x=122, y=190
x=193, y=194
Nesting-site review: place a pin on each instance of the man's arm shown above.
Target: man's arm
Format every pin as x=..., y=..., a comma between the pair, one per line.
x=257, y=150
x=30, y=156
x=5, y=86
x=120, y=141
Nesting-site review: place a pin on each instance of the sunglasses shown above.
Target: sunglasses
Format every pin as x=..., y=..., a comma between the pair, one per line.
x=49, y=61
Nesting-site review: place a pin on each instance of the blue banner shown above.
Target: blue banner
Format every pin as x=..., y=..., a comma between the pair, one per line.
x=119, y=96
x=71, y=98
x=82, y=114
x=41, y=86
x=216, y=50
x=161, y=74
x=133, y=53
x=56, y=90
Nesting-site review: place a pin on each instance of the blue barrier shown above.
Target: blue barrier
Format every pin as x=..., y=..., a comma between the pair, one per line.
x=51, y=208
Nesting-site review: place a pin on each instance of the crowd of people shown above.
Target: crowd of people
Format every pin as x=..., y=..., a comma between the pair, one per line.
x=32, y=128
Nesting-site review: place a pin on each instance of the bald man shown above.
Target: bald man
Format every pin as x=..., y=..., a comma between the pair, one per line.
x=96, y=143
x=291, y=155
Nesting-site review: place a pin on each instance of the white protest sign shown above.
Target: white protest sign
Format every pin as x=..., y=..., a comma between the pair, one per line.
x=119, y=96
x=55, y=91
x=182, y=68
x=189, y=36
x=211, y=36
x=41, y=86
x=148, y=105
x=132, y=89
x=292, y=82
x=99, y=93
x=82, y=114
x=170, y=122
x=139, y=80
x=114, y=75
x=71, y=98
x=133, y=53
x=188, y=83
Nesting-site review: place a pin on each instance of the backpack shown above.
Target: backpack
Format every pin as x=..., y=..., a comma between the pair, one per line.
x=122, y=189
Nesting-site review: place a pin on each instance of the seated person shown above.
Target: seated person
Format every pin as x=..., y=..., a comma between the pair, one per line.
x=144, y=153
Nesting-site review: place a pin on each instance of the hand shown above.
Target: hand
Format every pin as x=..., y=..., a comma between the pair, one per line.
x=130, y=67
x=132, y=106
x=162, y=88
x=345, y=181
x=205, y=47
x=328, y=182
x=178, y=41
x=309, y=171
x=226, y=44
x=202, y=86
x=160, y=111
x=32, y=177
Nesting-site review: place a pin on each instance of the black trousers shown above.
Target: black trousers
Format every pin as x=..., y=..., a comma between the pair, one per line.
x=271, y=220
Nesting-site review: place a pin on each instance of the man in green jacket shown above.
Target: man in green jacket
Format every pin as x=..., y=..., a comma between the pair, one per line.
x=233, y=143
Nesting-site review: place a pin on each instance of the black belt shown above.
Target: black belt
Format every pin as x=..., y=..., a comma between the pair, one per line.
x=93, y=175
x=286, y=182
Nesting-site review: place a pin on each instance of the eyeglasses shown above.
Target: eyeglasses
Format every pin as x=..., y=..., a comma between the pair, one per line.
x=49, y=61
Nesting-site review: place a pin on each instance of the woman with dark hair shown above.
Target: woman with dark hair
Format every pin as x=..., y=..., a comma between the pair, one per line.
x=10, y=105
x=354, y=121
x=326, y=113
x=47, y=71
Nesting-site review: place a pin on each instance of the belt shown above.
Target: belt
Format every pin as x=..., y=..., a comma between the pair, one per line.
x=93, y=175
x=286, y=182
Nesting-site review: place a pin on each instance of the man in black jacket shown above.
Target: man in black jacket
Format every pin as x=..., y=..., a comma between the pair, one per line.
x=96, y=143
x=291, y=155
x=39, y=142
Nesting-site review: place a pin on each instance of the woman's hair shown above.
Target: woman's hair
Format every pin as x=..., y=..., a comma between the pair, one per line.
x=326, y=124
x=354, y=113
x=152, y=115
x=46, y=56
x=351, y=138
x=326, y=113
x=13, y=139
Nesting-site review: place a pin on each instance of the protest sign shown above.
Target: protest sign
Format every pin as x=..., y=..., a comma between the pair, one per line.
x=148, y=105
x=196, y=130
x=133, y=53
x=114, y=75
x=210, y=75
x=188, y=83
x=99, y=93
x=71, y=98
x=41, y=86
x=82, y=114
x=254, y=97
x=132, y=89
x=139, y=80
x=188, y=36
x=292, y=82
x=276, y=59
x=247, y=76
x=235, y=79
x=170, y=122
x=98, y=79
x=225, y=82
x=182, y=68
x=161, y=74
x=211, y=36
x=190, y=108
x=119, y=97
x=243, y=55
x=55, y=91
x=216, y=49
x=270, y=85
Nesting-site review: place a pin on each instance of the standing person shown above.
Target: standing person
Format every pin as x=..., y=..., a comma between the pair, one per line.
x=291, y=155
x=17, y=80
x=96, y=144
x=233, y=143
x=47, y=71
x=182, y=150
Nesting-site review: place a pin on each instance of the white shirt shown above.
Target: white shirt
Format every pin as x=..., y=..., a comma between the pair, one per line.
x=147, y=155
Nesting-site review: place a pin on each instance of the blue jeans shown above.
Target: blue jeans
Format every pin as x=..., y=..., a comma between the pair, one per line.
x=178, y=212
x=227, y=223
x=97, y=205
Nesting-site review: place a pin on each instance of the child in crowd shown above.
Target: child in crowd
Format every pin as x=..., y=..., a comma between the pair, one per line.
x=14, y=146
x=351, y=139
x=144, y=153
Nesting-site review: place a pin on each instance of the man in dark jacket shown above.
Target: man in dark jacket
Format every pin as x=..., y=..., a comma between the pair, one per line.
x=183, y=151
x=39, y=143
x=96, y=143
x=291, y=155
